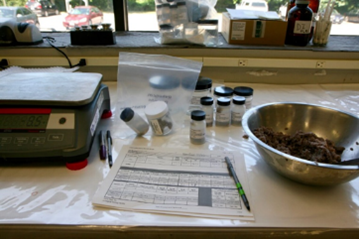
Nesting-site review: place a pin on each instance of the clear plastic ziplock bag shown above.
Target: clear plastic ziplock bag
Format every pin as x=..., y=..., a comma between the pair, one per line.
x=187, y=22
x=146, y=78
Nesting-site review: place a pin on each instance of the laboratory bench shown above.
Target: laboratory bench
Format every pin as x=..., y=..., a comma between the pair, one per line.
x=52, y=201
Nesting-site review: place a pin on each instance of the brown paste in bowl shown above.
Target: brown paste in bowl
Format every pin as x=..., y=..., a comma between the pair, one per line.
x=302, y=145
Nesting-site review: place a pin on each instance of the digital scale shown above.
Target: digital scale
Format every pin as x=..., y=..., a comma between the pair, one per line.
x=50, y=116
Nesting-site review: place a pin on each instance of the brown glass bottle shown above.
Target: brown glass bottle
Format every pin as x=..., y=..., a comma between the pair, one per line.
x=299, y=24
x=290, y=5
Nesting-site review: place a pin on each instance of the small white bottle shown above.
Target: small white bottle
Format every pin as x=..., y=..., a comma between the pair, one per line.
x=198, y=127
x=207, y=107
x=238, y=110
x=158, y=116
x=134, y=121
x=223, y=111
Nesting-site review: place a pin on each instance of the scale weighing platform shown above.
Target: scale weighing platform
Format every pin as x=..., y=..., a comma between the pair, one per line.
x=50, y=116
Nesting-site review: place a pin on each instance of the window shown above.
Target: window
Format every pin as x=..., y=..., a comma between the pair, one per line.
x=140, y=15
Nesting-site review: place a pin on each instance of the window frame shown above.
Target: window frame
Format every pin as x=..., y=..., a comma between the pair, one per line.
x=120, y=14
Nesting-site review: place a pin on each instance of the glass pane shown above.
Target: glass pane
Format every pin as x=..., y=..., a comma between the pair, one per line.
x=345, y=16
x=61, y=15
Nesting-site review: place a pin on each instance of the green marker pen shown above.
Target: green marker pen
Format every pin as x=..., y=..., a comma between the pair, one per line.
x=238, y=184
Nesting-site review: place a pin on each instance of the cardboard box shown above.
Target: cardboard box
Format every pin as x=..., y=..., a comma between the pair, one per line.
x=253, y=32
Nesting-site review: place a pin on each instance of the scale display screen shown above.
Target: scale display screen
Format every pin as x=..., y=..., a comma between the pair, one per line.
x=23, y=119
x=27, y=121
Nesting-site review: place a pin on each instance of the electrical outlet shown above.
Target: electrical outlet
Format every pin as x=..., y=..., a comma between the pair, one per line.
x=320, y=64
x=242, y=62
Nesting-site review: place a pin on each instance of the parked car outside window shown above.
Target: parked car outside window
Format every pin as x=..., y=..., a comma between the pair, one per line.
x=83, y=16
x=19, y=14
x=42, y=8
x=352, y=16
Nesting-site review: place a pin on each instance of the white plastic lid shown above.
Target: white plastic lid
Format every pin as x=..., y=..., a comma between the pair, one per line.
x=156, y=109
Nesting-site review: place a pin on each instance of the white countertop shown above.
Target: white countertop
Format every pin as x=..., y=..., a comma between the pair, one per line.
x=58, y=196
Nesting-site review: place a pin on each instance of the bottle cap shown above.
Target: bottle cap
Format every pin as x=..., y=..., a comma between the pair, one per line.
x=223, y=101
x=203, y=83
x=243, y=91
x=156, y=109
x=127, y=114
x=239, y=100
x=198, y=115
x=206, y=100
x=223, y=91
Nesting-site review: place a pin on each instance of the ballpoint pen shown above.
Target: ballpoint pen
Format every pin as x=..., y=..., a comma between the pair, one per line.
x=238, y=184
x=109, y=148
x=103, y=153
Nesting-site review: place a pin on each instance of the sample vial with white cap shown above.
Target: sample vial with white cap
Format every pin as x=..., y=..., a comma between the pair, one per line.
x=158, y=116
x=134, y=121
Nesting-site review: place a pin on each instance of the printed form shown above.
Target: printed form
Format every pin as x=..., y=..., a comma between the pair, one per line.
x=175, y=181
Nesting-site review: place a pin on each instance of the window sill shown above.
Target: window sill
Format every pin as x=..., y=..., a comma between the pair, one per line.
x=340, y=56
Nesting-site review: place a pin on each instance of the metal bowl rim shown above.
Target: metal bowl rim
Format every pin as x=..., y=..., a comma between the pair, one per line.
x=251, y=111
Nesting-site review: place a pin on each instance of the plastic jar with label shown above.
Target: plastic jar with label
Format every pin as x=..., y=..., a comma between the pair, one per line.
x=164, y=88
x=198, y=127
x=134, y=121
x=223, y=112
x=159, y=118
x=207, y=107
x=246, y=92
x=238, y=110
x=222, y=91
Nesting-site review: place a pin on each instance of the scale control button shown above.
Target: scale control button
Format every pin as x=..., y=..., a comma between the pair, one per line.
x=56, y=137
x=5, y=140
x=38, y=140
x=62, y=120
x=21, y=140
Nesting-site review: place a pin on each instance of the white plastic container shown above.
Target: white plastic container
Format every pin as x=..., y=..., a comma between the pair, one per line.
x=159, y=118
x=134, y=121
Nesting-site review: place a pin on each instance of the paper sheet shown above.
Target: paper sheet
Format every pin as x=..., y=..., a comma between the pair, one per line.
x=251, y=14
x=171, y=181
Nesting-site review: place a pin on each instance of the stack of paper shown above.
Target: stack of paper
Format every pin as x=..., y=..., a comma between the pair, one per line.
x=187, y=182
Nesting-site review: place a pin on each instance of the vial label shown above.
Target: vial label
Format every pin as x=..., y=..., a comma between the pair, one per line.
x=196, y=100
x=302, y=27
x=209, y=119
x=197, y=134
x=223, y=118
x=156, y=127
x=236, y=117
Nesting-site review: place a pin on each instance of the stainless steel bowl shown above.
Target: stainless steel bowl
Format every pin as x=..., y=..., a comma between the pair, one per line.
x=288, y=117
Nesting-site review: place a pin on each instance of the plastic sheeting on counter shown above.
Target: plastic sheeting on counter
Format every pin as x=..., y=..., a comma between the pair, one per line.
x=55, y=195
